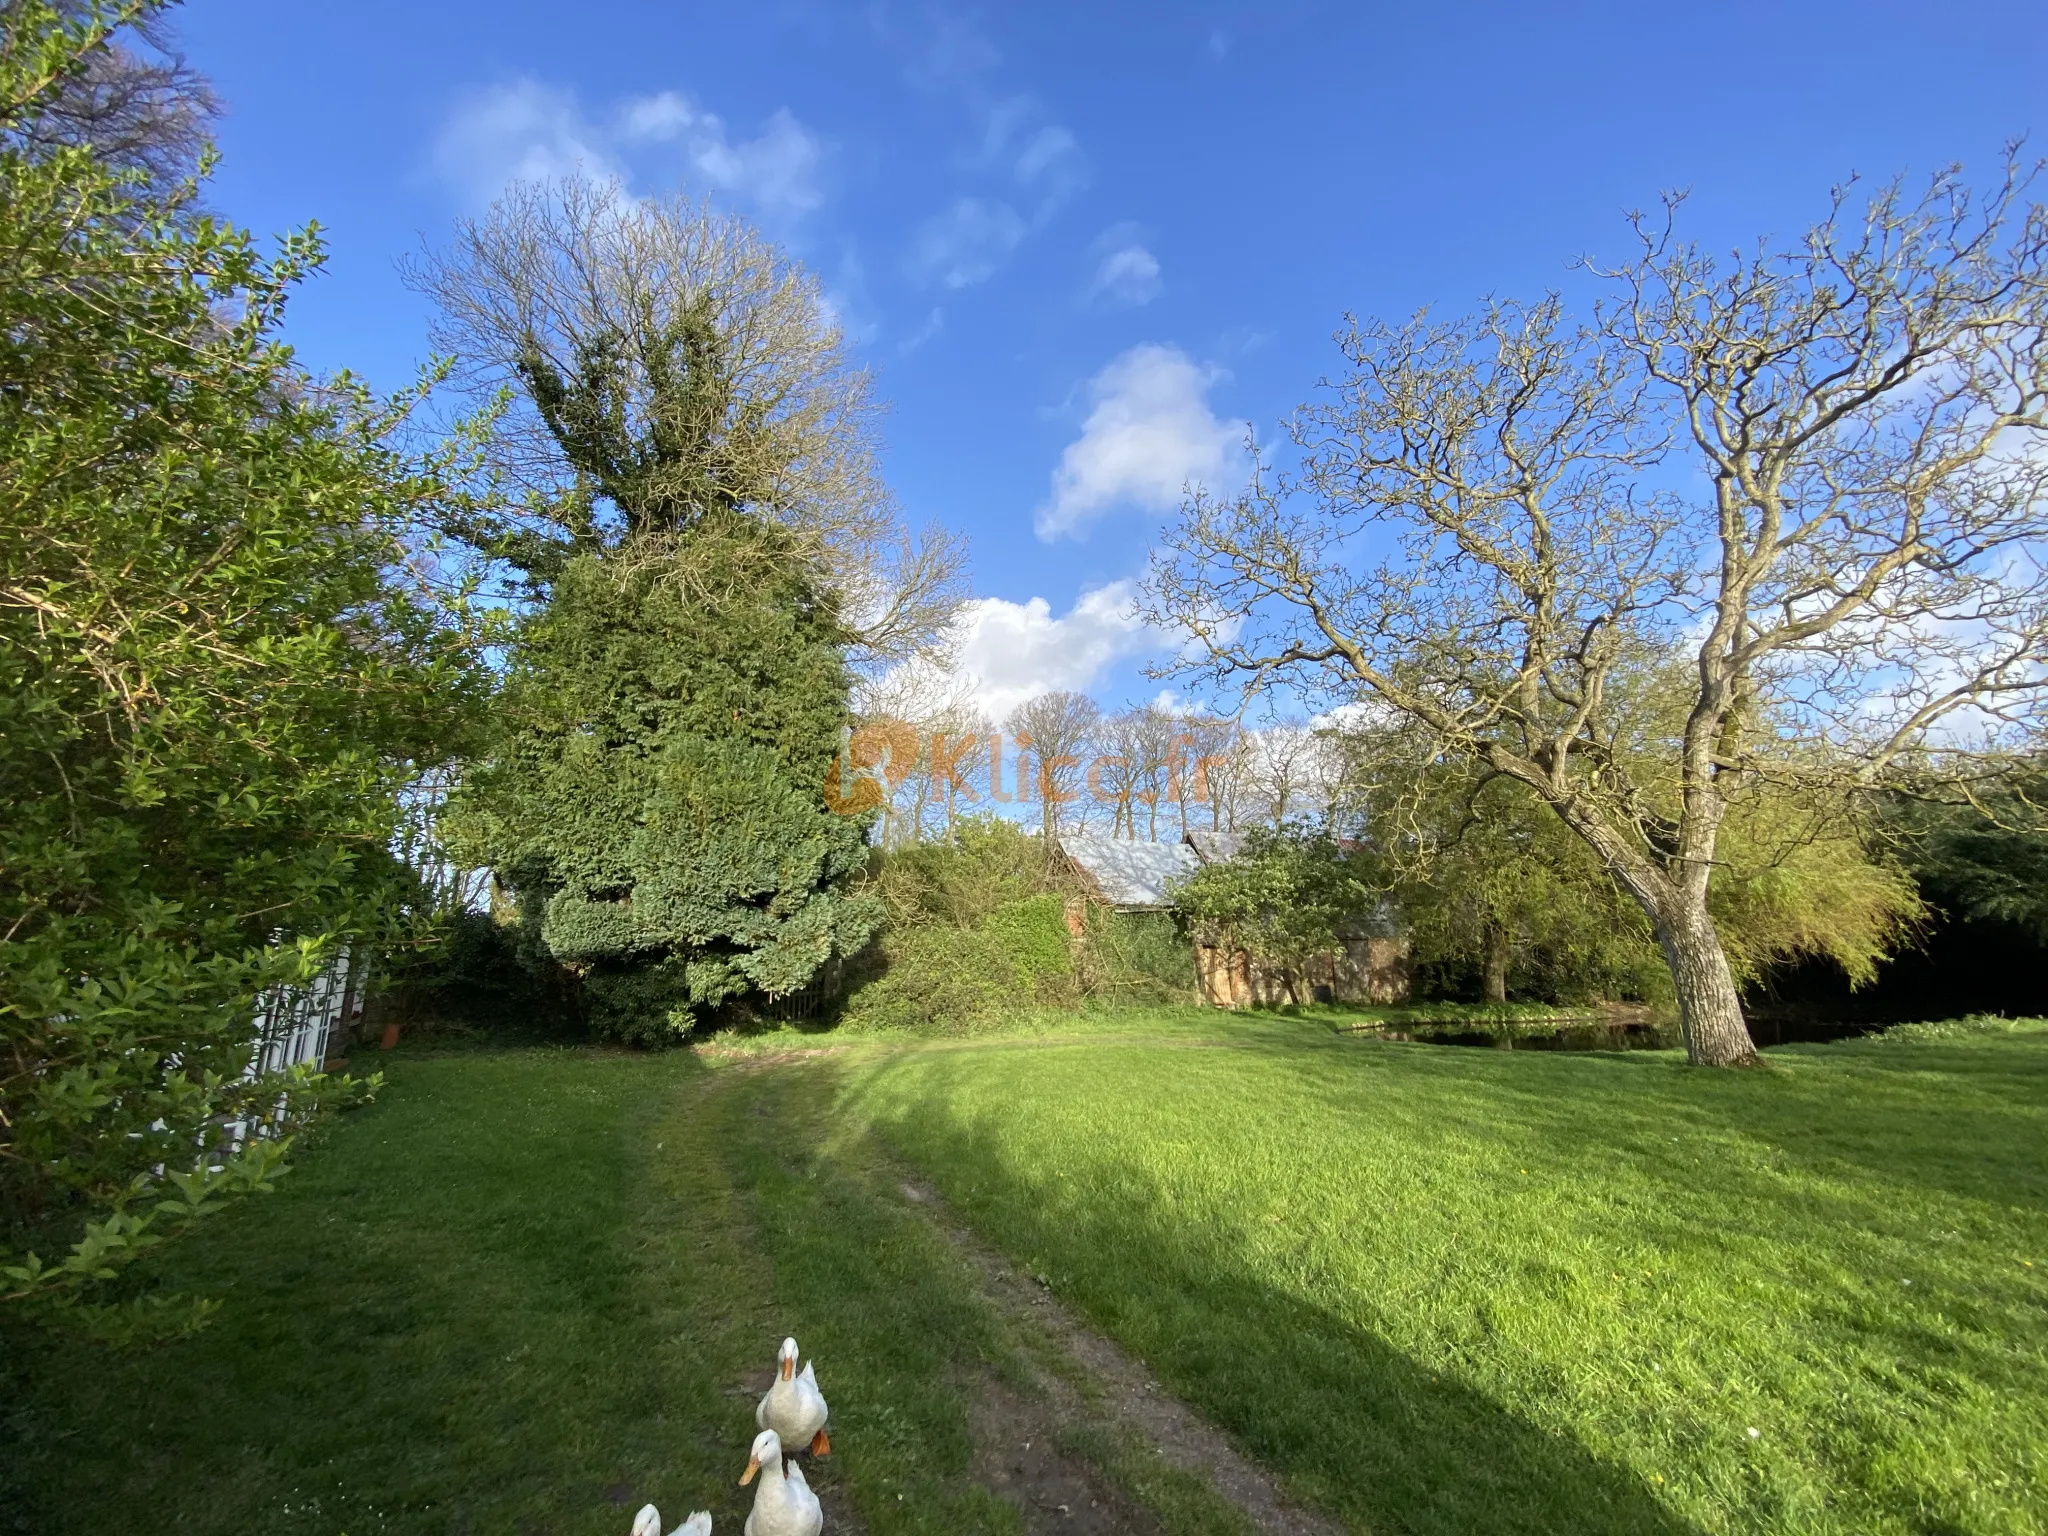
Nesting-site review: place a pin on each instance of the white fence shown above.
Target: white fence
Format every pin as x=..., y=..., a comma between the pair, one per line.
x=297, y=1025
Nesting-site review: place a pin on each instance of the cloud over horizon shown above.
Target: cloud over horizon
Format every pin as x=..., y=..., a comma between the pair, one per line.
x=1015, y=651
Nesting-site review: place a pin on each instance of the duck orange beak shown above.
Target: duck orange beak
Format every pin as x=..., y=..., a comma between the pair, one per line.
x=788, y=1367
x=753, y=1466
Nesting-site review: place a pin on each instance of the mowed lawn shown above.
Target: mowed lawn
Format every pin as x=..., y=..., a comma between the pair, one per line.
x=1436, y=1289
x=1449, y=1289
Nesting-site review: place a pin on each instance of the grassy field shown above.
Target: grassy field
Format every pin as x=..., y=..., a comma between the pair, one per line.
x=1439, y=1290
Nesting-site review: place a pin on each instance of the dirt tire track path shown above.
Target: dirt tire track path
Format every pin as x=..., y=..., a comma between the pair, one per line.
x=1126, y=1395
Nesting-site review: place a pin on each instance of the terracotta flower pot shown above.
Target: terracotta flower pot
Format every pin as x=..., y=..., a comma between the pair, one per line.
x=390, y=1039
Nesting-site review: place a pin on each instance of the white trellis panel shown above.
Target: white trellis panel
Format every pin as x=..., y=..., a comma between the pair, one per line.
x=295, y=1026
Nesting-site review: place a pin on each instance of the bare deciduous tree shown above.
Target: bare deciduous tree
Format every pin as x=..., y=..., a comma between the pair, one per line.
x=661, y=363
x=1198, y=766
x=936, y=701
x=1058, y=729
x=1490, y=528
x=135, y=102
x=1284, y=772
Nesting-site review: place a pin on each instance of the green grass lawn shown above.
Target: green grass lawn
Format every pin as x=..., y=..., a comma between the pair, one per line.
x=525, y=1292
x=1438, y=1290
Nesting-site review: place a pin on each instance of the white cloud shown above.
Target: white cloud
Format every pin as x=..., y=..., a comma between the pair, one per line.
x=1149, y=435
x=1042, y=157
x=1016, y=651
x=1042, y=165
x=520, y=131
x=934, y=323
x=1051, y=163
x=776, y=171
x=965, y=244
x=530, y=131
x=1126, y=273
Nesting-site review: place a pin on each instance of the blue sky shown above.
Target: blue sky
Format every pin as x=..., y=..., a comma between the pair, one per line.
x=1081, y=245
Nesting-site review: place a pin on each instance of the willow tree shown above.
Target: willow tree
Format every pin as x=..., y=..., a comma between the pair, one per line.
x=1813, y=473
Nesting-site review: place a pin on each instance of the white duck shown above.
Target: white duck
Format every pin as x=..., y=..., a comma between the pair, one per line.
x=794, y=1407
x=783, y=1503
x=648, y=1523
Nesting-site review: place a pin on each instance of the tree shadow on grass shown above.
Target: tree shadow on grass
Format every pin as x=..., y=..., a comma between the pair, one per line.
x=1354, y=1425
x=1966, y=1121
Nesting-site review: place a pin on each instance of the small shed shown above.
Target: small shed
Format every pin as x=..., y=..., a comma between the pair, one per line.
x=1371, y=966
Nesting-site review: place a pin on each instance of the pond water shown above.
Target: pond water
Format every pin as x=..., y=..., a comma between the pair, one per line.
x=1595, y=1034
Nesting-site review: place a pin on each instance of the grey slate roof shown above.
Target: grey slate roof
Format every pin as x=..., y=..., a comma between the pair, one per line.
x=1130, y=874
x=1213, y=847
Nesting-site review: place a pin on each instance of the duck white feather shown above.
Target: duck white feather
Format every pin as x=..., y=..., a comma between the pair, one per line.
x=794, y=1407
x=648, y=1523
x=783, y=1502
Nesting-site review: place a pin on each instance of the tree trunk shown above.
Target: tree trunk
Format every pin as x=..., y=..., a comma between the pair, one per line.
x=1496, y=963
x=1709, y=1010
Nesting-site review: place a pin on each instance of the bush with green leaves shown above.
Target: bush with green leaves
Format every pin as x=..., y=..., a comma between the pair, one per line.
x=1987, y=861
x=212, y=689
x=942, y=979
x=977, y=929
x=1135, y=957
x=1289, y=895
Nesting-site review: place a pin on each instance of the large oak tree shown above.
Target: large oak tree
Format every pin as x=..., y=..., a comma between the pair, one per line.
x=1815, y=473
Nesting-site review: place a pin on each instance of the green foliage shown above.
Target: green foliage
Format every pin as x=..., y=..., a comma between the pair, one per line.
x=1033, y=934
x=1798, y=882
x=944, y=979
x=477, y=975
x=1483, y=874
x=211, y=692
x=989, y=863
x=1987, y=862
x=1486, y=878
x=656, y=795
x=1138, y=957
x=977, y=931
x=1287, y=897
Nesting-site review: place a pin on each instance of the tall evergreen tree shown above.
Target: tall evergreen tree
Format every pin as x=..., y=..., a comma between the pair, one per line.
x=656, y=799
x=694, y=501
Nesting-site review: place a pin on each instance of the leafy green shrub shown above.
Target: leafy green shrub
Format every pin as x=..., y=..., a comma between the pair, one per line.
x=989, y=864
x=1034, y=938
x=1139, y=957
x=938, y=978
x=478, y=974
x=214, y=686
x=979, y=927
x=640, y=1004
